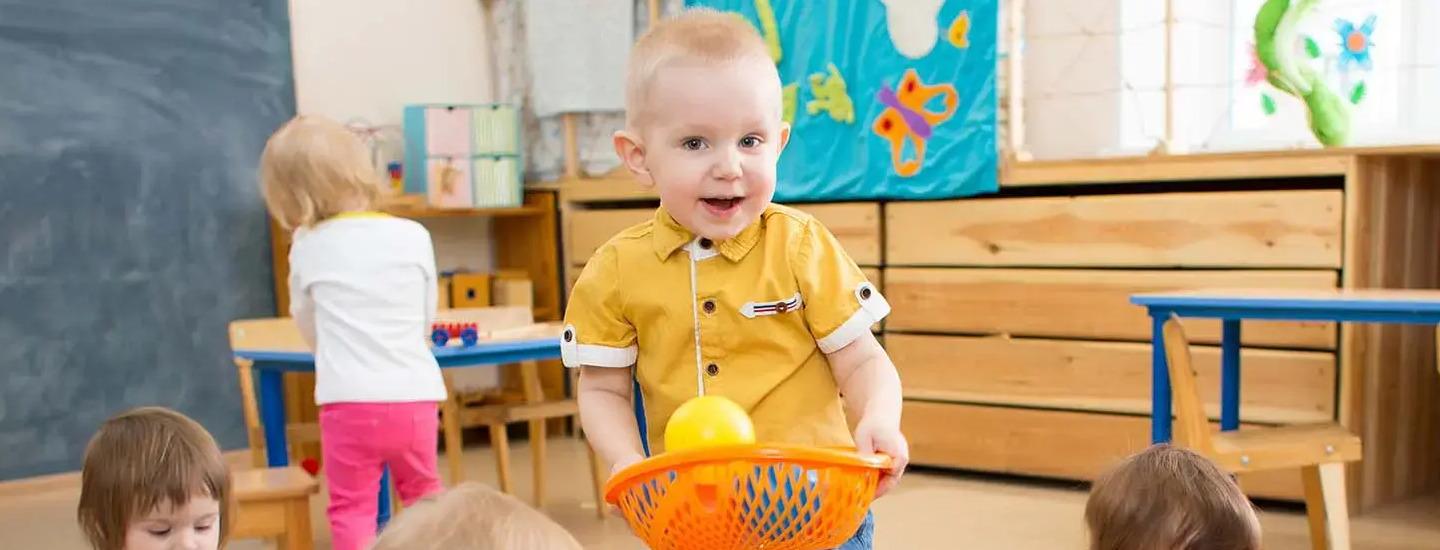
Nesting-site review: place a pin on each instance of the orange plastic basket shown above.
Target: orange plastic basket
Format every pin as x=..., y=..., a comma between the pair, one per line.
x=745, y=497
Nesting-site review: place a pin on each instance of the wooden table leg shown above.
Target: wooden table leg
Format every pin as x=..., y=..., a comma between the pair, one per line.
x=501, y=443
x=298, y=535
x=450, y=418
x=248, y=405
x=535, y=393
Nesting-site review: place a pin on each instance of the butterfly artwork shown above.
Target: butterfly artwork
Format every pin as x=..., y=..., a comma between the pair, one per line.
x=907, y=118
x=886, y=99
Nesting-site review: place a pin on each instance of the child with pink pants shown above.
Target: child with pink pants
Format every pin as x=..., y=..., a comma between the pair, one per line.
x=363, y=292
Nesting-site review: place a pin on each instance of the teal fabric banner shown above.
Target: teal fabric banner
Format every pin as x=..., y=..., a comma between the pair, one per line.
x=888, y=99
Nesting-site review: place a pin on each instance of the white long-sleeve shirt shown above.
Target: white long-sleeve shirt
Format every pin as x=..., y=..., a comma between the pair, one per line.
x=363, y=291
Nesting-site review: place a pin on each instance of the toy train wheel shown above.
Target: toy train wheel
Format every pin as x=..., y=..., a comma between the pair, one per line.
x=469, y=336
x=440, y=336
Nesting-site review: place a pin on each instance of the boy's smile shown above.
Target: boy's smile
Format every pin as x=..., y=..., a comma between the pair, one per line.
x=722, y=207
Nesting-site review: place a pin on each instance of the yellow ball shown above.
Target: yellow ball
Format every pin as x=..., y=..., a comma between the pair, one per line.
x=708, y=421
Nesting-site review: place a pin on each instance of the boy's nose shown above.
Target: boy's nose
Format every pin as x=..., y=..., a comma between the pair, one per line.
x=727, y=166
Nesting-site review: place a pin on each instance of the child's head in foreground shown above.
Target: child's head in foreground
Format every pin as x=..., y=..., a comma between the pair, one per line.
x=1168, y=498
x=314, y=168
x=703, y=120
x=471, y=516
x=154, y=479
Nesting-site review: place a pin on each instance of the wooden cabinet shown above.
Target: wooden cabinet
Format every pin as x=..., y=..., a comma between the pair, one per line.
x=1020, y=353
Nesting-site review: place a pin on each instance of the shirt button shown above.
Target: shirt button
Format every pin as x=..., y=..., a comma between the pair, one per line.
x=706, y=244
x=709, y=306
x=712, y=369
x=865, y=293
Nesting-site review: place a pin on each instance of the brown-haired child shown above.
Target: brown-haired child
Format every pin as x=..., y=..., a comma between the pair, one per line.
x=154, y=479
x=1168, y=498
x=473, y=516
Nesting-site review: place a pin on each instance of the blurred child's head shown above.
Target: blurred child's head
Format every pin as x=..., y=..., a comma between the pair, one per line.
x=1168, y=498
x=472, y=516
x=703, y=120
x=314, y=168
x=153, y=479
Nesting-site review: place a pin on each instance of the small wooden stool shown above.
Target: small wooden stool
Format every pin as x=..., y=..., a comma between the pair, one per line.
x=274, y=503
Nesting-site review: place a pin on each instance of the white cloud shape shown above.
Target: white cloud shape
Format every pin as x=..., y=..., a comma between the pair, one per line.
x=914, y=25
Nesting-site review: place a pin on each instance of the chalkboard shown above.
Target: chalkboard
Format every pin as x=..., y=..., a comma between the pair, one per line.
x=131, y=228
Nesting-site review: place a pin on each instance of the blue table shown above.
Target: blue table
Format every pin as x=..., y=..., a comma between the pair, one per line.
x=1233, y=306
x=269, y=366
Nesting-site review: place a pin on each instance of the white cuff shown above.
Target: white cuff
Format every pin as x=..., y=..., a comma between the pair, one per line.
x=873, y=308
x=574, y=354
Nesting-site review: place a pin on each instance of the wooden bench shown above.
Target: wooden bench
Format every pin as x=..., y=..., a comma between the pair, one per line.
x=274, y=503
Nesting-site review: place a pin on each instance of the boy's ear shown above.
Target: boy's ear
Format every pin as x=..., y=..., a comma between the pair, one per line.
x=632, y=152
x=784, y=136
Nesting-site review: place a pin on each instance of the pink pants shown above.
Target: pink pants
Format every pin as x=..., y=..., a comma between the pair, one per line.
x=356, y=439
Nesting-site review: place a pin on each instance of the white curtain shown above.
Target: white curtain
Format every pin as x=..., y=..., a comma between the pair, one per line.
x=544, y=137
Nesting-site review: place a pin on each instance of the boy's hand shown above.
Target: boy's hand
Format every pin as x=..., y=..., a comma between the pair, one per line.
x=624, y=462
x=620, y=464
x=884, y=438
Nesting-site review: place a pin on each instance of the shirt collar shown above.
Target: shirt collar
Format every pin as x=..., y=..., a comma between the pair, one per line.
x=669, y=236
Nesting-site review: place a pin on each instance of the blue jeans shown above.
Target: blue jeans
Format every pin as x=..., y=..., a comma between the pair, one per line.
x=864, y=537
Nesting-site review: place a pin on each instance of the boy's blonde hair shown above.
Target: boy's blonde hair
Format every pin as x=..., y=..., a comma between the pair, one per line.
x=1170, y=498
x=312, y=169
x=472, y=516
x=141, y=459
x=696, y=35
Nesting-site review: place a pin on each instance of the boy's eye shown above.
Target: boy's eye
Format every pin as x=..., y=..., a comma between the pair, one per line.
x=750, y=142
x=159, y=532
x=693, y=144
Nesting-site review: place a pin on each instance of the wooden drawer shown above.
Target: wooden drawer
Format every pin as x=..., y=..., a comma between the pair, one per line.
x=586, y=230
x=1231, y=229
x=855, y=224
x=1058, y=444
x=1282, y=387
x=1082, y=303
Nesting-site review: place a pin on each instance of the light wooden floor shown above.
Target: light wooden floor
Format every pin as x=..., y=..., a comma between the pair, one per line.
x=930, y=510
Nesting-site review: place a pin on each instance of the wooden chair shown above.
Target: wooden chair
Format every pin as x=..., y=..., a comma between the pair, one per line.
x=1320, y=451
x=512, y=323
x=274, y=503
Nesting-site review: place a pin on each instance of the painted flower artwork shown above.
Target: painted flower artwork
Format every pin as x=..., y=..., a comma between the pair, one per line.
x=1354, y=43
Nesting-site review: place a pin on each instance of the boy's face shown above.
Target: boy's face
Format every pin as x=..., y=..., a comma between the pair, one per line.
x=709, y=142
x=194, y=526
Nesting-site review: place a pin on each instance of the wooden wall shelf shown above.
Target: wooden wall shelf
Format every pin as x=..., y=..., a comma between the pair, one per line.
x=620, y=186
x=1200, y=166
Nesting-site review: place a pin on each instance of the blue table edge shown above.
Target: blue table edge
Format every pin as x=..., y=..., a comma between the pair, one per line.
x=448, y=352
x=1248, y=302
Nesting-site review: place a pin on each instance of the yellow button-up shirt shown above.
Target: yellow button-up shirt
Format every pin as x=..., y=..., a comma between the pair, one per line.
x=749, y=318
